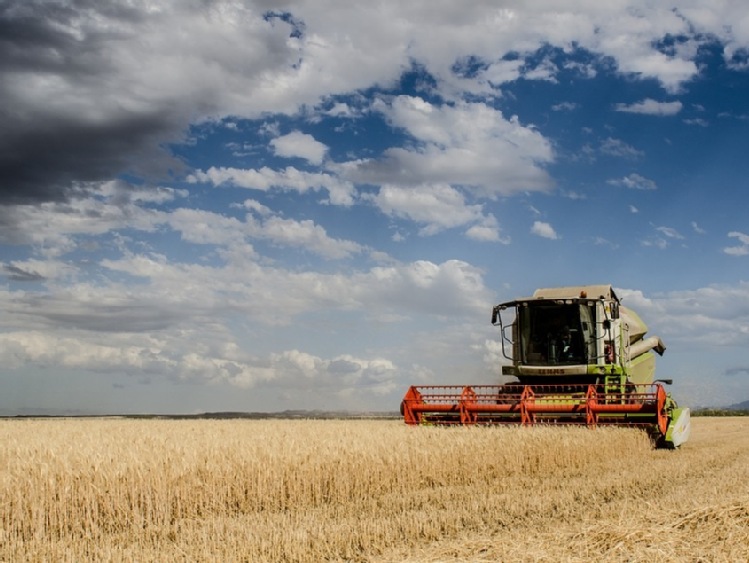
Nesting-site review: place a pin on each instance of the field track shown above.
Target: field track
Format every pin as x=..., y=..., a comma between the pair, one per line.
x=357, y=490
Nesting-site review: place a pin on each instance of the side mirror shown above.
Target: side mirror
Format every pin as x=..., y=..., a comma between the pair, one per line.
x=495, y=314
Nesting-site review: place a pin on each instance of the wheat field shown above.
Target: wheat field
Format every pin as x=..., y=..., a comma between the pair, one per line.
x=359, y=490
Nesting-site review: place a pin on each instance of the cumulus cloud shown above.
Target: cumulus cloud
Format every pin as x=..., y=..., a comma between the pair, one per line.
x=657, y=242
x=697, y=229
x=303, y=234
x=715, y=315
x=649, y=106
x=99, y=106
x=487, y=231
x=301, y=145
x=340, y=192
x=565, y=106
x=543, y=229
x=669, y=232
x=620, y=149
x=697, y=121
x=105, y=91
x=741, y=249
x=204, y=227
x=469, y=144
x=102, y=107
x=256, y=206
x=217, y=363
x=437, y=206
x=56, y=228
x=179, y=323
x=634, y=182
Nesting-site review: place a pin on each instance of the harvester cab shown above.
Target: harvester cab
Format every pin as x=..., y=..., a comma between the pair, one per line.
x=576, y=335
x=577, y=356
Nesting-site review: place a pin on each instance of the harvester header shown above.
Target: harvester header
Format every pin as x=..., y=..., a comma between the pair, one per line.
x=577, y=356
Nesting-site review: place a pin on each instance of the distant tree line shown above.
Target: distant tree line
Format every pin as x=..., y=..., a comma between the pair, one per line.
x=720, y=412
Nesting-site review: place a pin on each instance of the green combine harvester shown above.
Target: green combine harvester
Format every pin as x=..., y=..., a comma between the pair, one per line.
x=578, y=357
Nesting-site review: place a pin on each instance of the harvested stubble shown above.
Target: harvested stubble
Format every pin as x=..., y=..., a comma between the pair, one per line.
x=135, y=490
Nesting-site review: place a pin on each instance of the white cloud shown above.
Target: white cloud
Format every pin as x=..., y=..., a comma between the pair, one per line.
x=179, y=322
x=302, y=145
x=59, y=229
x=303, y=234
x=697, y=121
x=179, y=64
x=669, y=232
x=697, y=229
x=657, y=242
x=618, y=148
x=437, y=206
x=634, y=182
x=256, y=206
x=205, y=227
x=468, y=144
x=716, y=315
x=55, y=228
x=544, y=230
x=602, y=241
x=651, y=107
x=107, y=285
x=340, y=192
x=741, y=249
x=502, y=71
x=565, y=106
x=341, y=109
x=217, y=363
x=543, y=70
x=487, y=231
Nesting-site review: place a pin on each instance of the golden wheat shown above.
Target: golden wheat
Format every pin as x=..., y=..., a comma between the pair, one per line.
x=137, y=490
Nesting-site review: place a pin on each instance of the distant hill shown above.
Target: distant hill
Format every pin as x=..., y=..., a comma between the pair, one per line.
x=738, y=409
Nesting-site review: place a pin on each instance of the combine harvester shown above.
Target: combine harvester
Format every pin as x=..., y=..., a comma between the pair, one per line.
x=579, y=357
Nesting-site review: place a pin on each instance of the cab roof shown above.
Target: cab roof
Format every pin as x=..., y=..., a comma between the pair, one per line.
x=576, y=292
x=571, y=292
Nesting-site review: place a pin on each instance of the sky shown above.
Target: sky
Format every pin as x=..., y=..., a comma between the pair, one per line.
x=265, y=206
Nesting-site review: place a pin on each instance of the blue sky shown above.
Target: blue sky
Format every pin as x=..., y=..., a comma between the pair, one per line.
x=246, y=206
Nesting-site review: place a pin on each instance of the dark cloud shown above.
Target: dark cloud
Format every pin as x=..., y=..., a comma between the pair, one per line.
x=125, y=317
x=45, y=160
x=42, y=36
x=46, y=151
x=17, y=274
x=736, y=371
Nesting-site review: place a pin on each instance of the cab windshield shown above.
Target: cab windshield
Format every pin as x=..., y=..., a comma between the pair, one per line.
x=556, y=332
